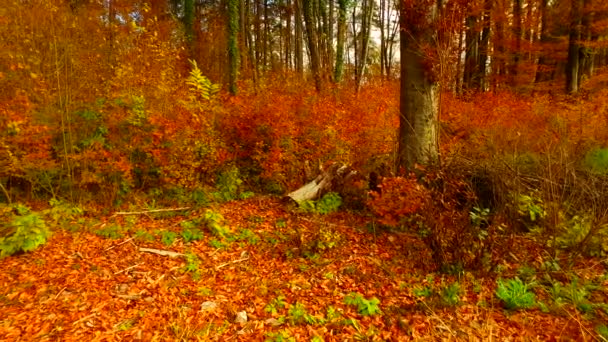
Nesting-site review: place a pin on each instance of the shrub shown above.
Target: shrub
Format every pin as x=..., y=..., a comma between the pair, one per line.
x=514, y=294
x=596, y=160
x=24, y=233
x=398, y=198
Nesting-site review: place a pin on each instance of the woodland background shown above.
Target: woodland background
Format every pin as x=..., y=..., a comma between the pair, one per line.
x=133, y=105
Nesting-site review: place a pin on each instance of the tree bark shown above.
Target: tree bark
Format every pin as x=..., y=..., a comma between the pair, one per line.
x=339, y=66
x=573, y=64
x=233, y=50
x=419, y=100
x=311, y=35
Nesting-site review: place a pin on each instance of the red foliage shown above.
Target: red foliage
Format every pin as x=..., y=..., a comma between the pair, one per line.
x=398, y=198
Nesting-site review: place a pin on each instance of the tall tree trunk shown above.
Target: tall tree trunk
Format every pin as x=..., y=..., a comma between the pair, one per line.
x=189, y=23
x=419, y=100
x=288, y=37
x=311, y=35
x=266, y=39
x=298, y=39
x=517, y=31
x=339, y=67
x=257, y=23
x=367, y=7
x=542, y=67
x=471, y=59
x=484, y=43
x=233, y=50
x=573, y=64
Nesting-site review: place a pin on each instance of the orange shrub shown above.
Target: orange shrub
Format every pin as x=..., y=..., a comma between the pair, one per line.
x=398, y=198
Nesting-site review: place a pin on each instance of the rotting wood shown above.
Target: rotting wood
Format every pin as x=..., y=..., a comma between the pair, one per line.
x=332, y=178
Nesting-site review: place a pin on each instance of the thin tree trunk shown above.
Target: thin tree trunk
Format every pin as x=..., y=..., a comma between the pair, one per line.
x=573, y=65
x=311, y=35
x=484, y=42
x=233, y=50
x=542, y=67
x=298, y=39
x=339, y=66
x=517, y=31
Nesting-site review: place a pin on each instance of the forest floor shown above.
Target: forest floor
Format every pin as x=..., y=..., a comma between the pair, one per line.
x=92, y=282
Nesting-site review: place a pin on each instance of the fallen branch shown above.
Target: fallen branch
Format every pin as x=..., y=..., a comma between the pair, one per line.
x=114, y=246
x=161, y=252
x=149, y=211
x=126, y=269
x=231, y=262
x=129, y=297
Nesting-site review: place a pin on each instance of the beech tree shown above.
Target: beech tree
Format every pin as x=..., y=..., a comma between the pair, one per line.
x=419, y=96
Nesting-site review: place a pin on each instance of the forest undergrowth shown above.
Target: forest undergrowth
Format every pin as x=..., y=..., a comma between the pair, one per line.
x=191, y=240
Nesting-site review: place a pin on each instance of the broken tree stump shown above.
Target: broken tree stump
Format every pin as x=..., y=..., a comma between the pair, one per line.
x=333, y=178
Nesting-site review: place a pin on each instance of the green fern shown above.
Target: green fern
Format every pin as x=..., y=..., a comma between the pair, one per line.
x=28, y=232
x=200, y=85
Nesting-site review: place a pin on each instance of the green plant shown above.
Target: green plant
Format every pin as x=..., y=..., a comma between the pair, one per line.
x=190, y=231
x=329, y=203
x=228, y=186
x=279, y=336
x=214, y=222
x=167, y=237
x=425, y=291
x=247, y=235
x=531, y=209
x=575, y=292
x=215, y=243
x=450, y=295
x=480, y=217
x=63, y=213
x=365, y=307
x=113, y=231
x=327, y=238
x=275, y=305
x=192, y=265
x=24, y=232
x=515, y=294
x=580, y=233
x=143, y=235
x=602, y=331
x=280, y=223
x=596, y=160
x=298, y=314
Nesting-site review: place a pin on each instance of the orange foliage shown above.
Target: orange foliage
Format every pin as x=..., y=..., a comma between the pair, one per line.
x=398, y=198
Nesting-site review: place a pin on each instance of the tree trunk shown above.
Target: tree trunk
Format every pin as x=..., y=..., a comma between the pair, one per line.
x=311, y=35
x=471, y=59
x=299, y=50
x=233, y=50
x=419, y=100
x=517, y=30
x=366, y=18
x=339, y=67
x=484, y=43
x=573, y=65
x=542, y=67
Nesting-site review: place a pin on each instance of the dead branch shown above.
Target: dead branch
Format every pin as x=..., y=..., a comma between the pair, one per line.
x=114, y=246
x=126, y=269
x=161, y=252
x=231, y=262
x=149, y=211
